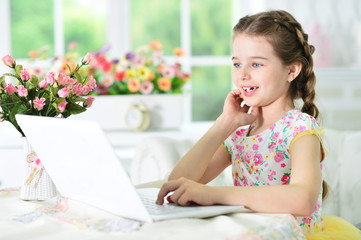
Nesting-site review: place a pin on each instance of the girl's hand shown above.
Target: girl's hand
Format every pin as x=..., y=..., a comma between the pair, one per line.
x=186, y=192
x=232, y=109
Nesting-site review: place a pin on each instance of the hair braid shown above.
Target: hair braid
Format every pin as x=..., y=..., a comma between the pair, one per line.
x=304, y=85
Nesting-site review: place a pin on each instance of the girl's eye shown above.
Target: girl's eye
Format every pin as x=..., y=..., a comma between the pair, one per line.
x=236, y=65
x=256, y=65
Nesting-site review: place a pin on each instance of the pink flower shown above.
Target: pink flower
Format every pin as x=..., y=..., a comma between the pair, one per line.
x=139, y=62
x=275, y=136
x=146, y=87
x=38, y=71
x=10, y=88
x=86, y=89
x=62, y=106
x=62, y=79
x=240, y=147
x=108, y=81
x=168, y=72
x=22, y=91
x=88, y=58
x=63, y=93
x=72, y=45
x=249, y=156
x=77, y=90
x=39, y=103
x=106, y=66
x=91, y=100
x=285, y=179
x=255, y=147
x=270, y=177
x=272, y=147
x=258, y=159
x=66, y=81
x=92, y=82
x=24, y=75
x=43, y=84
x=279, y=157
x=50, y=78
x=9, y=61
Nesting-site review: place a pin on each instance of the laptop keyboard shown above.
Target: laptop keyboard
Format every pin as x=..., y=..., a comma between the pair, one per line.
x=155, y=209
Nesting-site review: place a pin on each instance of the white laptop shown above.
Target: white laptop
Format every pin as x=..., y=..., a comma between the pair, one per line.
x=84, y=167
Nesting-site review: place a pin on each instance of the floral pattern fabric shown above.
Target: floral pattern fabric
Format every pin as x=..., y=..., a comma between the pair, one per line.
x=264, y=159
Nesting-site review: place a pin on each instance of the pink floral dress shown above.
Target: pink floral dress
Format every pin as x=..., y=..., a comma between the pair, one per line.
x=264, y=159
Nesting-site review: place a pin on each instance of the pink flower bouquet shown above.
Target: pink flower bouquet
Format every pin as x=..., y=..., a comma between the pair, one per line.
x=61, y=95
x=144, y=71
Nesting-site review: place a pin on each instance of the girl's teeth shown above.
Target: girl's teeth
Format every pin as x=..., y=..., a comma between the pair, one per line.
x=249, y=89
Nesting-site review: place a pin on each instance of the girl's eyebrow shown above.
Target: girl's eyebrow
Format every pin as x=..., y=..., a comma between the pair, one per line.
x=253, y=57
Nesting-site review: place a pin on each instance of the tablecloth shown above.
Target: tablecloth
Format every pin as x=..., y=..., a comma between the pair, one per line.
x=62, y=218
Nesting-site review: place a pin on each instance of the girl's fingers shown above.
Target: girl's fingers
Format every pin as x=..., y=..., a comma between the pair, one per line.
x=165, y=189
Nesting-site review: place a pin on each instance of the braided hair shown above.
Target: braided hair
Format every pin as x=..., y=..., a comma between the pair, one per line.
x=291, y=45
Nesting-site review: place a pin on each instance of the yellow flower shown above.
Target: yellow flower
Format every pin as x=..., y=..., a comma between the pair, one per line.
x=143, y=72
x=254, y=139
x=130, y=73
x=134, y=84
x=164, y=84
x=267, y=156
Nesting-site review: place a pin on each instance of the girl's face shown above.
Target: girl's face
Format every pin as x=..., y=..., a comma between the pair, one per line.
x=258, y=72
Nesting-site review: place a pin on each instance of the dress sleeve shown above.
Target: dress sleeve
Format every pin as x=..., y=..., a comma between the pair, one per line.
x=303, y=127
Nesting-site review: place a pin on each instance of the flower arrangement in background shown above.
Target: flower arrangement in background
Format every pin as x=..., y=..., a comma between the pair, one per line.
x=51, y=94
x=144, y=71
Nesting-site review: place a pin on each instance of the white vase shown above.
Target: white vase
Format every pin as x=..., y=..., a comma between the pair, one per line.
x=37, y=183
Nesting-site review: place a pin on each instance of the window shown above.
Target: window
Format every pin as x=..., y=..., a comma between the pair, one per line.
x=156, y=19
x=206, y=42
x=202, y=29
x=30, y=29
x=85, y=24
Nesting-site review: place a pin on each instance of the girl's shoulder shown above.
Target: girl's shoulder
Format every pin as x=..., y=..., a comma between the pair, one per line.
x=295, y=117
x=296, y=122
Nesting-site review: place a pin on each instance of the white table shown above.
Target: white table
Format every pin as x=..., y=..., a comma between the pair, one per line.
x=61, y=219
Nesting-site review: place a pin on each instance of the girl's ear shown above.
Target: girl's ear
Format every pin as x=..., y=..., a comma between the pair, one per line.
x=294, y=69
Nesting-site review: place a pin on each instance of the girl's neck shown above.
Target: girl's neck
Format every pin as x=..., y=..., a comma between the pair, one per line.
x=267, y=117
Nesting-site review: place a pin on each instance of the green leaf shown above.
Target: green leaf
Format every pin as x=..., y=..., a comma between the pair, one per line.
x=2, y=81
x=74, y=108
x=78, y=77
x=59, y=100
x=68, y=68
x=18, y=69
x=35, y=81
x=80, y=99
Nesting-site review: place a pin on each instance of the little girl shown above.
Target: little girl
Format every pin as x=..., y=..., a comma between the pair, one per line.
x=275, y=150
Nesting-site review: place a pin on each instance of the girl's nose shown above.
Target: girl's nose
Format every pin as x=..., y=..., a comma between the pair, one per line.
x=244, y=74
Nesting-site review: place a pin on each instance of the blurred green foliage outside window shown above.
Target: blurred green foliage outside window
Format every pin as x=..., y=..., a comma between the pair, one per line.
x=32, y=26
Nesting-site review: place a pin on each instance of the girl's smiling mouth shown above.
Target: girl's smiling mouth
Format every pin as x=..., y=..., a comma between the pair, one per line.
x=248, y=90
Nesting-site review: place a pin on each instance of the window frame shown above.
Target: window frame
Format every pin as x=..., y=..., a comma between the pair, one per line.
x=119, y=35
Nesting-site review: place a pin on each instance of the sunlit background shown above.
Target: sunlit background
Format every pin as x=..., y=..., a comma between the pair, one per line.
x=203, y=30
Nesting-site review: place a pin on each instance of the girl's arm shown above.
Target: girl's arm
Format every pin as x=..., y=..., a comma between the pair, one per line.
x=206, y=156
x=196, y=162
x=298, y=198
